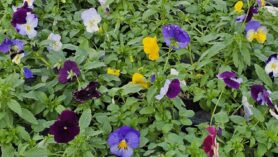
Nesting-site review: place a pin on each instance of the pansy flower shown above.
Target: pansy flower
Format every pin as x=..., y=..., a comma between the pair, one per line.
x=261, y=3
x=30, y=3
x=272, y=10
x=170, y=88
x=140, y=80
x=104, y=5
x=240, y=18
x=254, y=30
x=66, y=127
x=91, y=19
x=151, y=48
x=27, y=73
x=238, y=6
x=247, y=108
x=153, y=78
x=175, y=37
x=19, y=16
x=210, y=145
x=174, y=72
x=261, y=95
x=230, y=79
x=68, y=72
x=15, y=45
x=55, y=44
x=28, y=28
x=87, y=93
x=115, y=72
x=16, y=57
x=123, y=140
x=271, y=67
x=252, y=10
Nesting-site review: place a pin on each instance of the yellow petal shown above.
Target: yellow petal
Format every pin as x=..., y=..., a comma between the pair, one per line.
x=251, y=35
x=238, y=6
x=261, y=35
x=153, y=56
x=139, y=79
x=114, y=72
x=150, y=45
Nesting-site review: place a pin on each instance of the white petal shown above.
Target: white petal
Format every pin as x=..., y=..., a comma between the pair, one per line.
x=21, y=28
x=247, y=108
x=92, y=29
x=32, y=33
x=163, y=90
x=174, y=72
x=273, y=112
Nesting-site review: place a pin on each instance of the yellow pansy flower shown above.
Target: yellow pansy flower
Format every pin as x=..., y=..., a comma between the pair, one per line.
x=139, y=79
x=260, y=35
x=238, y=6
x=151, y=47
x=114, y=72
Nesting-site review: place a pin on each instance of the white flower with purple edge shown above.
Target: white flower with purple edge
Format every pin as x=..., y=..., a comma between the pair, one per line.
x=29, y=27
x=271, y=67
x=91, y=19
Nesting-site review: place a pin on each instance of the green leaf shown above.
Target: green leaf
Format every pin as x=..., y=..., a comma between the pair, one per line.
x=274, y=95
x=94, y=65
x=258, y=115
x=263, y=76
x=15, y=106
x=28, y=116
x=214, y=50
x=131, y=88
x=85, y=118
x=221, y=117
x=35, y=152
x=147, y=110
x=150, y=94
x=237, y=119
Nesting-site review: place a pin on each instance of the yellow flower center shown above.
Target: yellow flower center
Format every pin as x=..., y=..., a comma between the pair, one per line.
x=273, y=66
x=28, y=27
x=91, y=23
x=122, y=145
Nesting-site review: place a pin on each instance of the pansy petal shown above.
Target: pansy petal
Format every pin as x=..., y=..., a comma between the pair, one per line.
x=68, y=115
x=116, y=151
x=226, y=74
x=252, y=25
x=133, y=140
x=174, y=89
x=113, y=139
x=127, y=152
x=232, y=83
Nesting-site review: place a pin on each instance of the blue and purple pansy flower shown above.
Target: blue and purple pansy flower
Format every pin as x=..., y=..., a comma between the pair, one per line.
x=171, y=89
x=123, y=140
x=230, y=79
x=11, y=44
x=175, y=37
x=261, y=95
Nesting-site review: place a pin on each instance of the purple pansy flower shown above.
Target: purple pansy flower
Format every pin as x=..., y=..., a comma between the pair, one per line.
x=271, y=67
x=66, y=127
x=261, y=95
x=8, y=44
x=19, y=16
x=252, y=10
x=170, y=88
x=175, y=37
x=87, y=93
x=68, y=72
x=230, y=79
x=27, y=73
x=123, y=141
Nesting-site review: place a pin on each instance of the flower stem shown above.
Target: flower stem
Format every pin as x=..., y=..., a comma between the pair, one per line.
x=213, y=112
x=167, y=60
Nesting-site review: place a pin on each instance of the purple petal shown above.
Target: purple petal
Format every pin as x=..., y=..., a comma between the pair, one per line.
x=267, y=99
x=114, y=139
x=255, y=90
x=153, y=78
x=231, y=83
x=252, y=10
x=127, y=152
x=69, y=115
x=19, y=16
x=241, y=18
x=226, y=74
x=87, y=93
x=6, y=45
x=116, y=151
x=63, y=76
x=174, y=89
x=19, y=44
x=27, y=73
x=254, y=25
x=64, y=71
x=133, y=140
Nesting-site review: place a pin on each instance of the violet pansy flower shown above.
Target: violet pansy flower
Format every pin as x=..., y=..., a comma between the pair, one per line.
x=8, y=44
x=170, y=88
x=271, y=67
x=66, y=127
x=210, y=145
x=68, y=72
x=175, y=37
x=28, y=28
x=87, y=93
x=261, y=95
x=230, y=79
x=20, y=14
x=123, y=140
x=27, y=73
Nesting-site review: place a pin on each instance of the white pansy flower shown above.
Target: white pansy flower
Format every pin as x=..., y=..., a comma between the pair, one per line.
x=55, y=44
x=29, y=27
x=247, y=108
x=272, y=10
x=91, y=19
x=272, y=67
x=163, y=90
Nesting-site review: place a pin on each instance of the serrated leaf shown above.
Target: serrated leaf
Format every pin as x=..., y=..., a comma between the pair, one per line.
x=85, y=118
x=263, y=76
x=15, y=106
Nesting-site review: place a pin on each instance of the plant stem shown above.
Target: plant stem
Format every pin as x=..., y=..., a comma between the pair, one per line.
x=213, y=112
x=167, y=60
